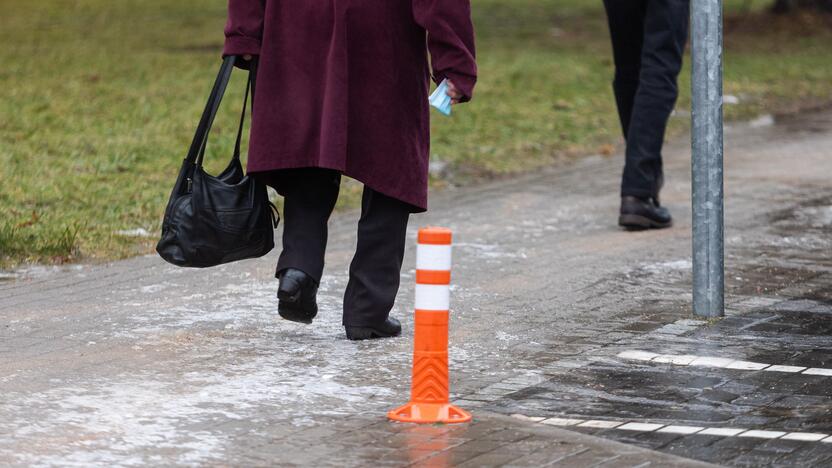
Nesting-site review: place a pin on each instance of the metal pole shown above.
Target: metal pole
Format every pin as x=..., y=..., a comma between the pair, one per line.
x=708, y=237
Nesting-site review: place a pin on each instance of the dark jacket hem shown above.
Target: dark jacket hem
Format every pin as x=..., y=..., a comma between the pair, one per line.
x=417, y=205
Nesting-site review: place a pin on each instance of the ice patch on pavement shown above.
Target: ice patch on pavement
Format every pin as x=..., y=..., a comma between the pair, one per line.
x=244, y=364
x=484, y=250
x=806, y=241
x=225, y=363
x=43, y=271
x=766, y=120
x=674, y=265
x=114, y=421
x=153, y=288
x=7, y=276
x=815, y=216
x=503, y=336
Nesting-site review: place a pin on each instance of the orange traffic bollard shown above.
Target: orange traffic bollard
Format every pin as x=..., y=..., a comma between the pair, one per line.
x=429, y=401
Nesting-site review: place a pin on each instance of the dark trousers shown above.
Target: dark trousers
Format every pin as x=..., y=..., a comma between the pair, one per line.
x=648, y=41
x=309, y=198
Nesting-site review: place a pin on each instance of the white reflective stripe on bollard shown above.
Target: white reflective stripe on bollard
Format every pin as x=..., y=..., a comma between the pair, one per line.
x=433, y=297
x=433, y=257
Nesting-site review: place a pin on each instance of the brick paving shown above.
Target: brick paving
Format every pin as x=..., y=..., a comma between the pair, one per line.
x=138, y=362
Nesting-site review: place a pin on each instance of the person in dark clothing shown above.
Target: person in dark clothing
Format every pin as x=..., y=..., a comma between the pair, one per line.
x=648, y=40
x=309, y=198
x=342, y=89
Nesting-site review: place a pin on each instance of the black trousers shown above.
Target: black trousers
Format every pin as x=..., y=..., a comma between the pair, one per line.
x=648, y=41
x=309, y=198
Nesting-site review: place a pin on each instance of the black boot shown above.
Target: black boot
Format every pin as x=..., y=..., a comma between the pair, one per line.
x=297, y=296
x=643, y=213
x=391, y=327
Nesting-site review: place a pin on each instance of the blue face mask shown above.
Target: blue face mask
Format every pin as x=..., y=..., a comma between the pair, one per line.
x=440, y=99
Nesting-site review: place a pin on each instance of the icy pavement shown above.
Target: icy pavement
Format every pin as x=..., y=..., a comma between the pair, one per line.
x=557, y=316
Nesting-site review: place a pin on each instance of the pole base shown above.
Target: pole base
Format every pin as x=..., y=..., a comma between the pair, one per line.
x=427, y=413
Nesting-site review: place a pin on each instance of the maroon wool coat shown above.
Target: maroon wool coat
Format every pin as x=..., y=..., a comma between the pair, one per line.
x=343, y=84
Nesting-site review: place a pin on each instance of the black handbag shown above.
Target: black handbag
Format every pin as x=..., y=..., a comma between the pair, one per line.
x=211, y=220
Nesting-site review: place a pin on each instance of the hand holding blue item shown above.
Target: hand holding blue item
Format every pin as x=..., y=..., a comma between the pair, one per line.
x=440, y=98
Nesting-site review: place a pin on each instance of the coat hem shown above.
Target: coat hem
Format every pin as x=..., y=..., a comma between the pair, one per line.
x=416, y=206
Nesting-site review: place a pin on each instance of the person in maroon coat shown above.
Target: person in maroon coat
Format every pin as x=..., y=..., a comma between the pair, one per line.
x=342, y=88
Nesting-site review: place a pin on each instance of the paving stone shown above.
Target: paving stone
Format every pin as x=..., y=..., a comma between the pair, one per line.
x=680, y=360
x=685, y=430
x=707, y=361
x=800, y=401
x=758, y=398
x=761, y=434
x=549, y=457
x=597, y=424
x=747, y=365
x=722, y=431
x=717, y=395
x=805, y=436
x=493, y=458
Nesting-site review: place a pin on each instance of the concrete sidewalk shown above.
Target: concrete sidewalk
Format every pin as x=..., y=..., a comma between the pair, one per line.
x=139, y=362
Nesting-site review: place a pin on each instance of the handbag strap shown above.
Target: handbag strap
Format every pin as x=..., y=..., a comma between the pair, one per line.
x=211, y=107
x=251, y=85
x=196, y=153
x=242, y=119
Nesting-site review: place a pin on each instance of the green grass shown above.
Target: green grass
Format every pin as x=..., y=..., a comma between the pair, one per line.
x=98, y=101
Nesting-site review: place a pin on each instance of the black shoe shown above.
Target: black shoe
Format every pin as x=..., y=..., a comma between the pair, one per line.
x=643, y=213
x=390, y=327
x=297, y=296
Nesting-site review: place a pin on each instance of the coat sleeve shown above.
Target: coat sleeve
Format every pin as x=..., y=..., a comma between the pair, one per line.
x=450, y=41
x=244, y=29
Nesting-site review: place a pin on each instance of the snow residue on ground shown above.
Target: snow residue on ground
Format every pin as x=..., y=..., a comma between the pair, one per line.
x=487, y=251
x=243, y=363
x=225, y=361
x=110, y=421
x=673, y=265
